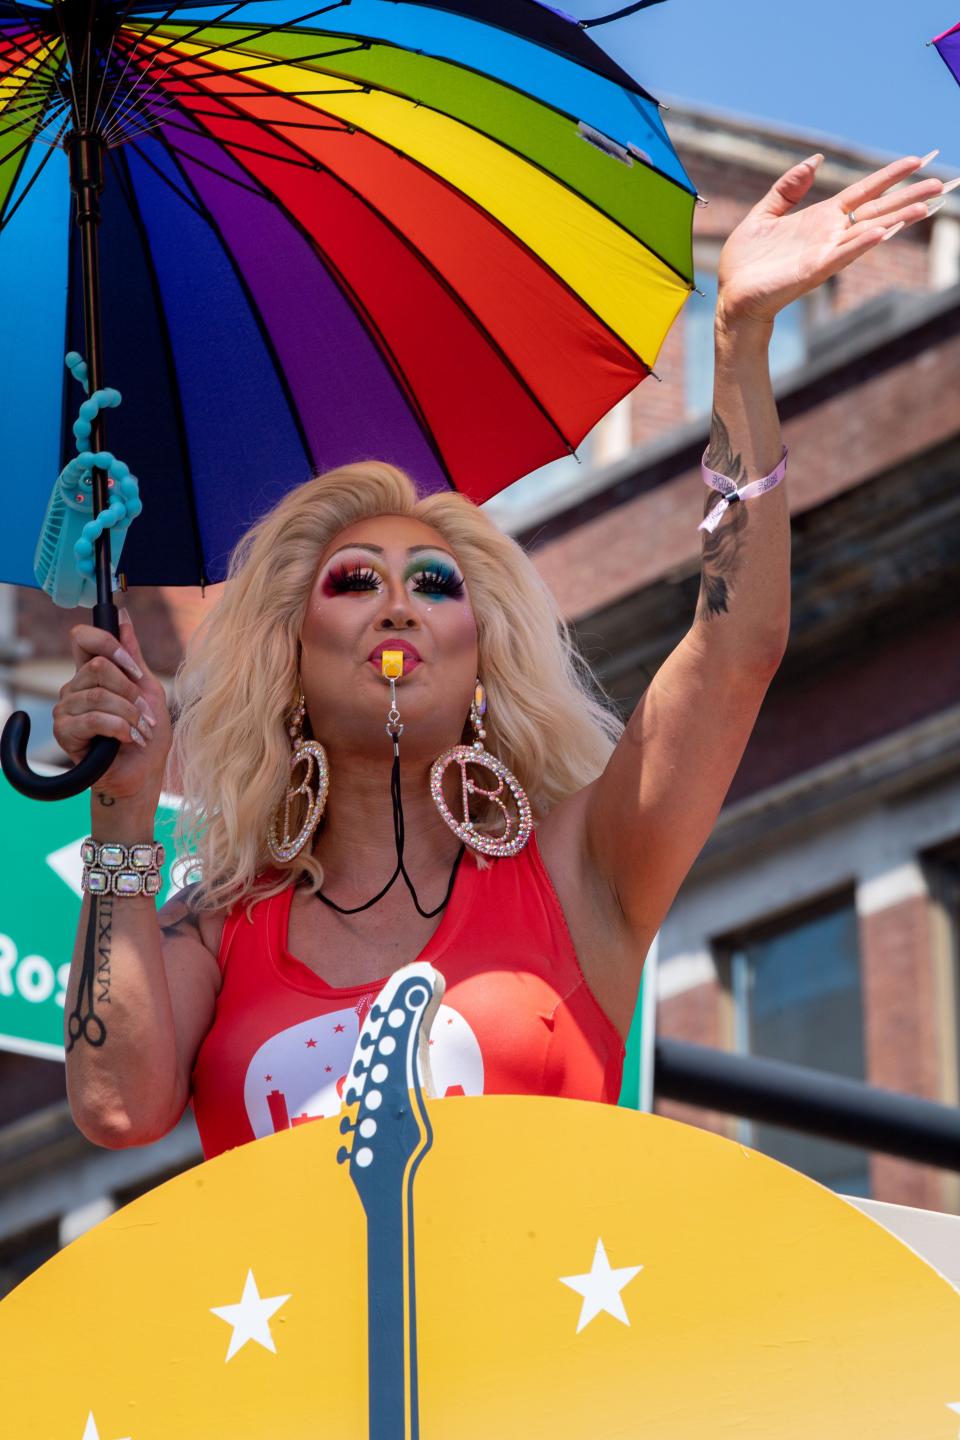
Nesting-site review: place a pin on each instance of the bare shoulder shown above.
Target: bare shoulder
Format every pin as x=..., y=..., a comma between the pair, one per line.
x=181, y=920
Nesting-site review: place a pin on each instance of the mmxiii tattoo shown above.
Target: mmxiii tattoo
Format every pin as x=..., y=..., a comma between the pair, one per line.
x=94, y=984
x=720, y=559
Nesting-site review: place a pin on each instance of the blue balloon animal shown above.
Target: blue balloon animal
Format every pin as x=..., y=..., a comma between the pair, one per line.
x=64, y=558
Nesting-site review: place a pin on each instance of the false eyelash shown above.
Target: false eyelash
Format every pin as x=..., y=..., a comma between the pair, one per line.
x=440, y=581
x=355, y=578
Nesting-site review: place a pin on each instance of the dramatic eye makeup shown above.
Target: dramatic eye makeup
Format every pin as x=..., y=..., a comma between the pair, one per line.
x=435, y=577
x=348, y=575
x=432, y=575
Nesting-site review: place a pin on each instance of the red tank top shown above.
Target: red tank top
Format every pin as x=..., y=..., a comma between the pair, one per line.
x=517, y=1016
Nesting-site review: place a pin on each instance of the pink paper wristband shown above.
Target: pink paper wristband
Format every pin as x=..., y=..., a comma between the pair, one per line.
x=732, y=494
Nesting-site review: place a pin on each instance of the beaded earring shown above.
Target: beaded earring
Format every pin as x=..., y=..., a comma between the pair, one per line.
x=311, y=754
x=517, y=829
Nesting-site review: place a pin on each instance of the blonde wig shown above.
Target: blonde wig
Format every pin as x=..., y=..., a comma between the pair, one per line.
x=546, y=718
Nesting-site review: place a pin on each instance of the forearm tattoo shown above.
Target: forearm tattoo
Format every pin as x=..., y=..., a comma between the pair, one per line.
x=720, y=557
x=104, y=944
x=94, y=983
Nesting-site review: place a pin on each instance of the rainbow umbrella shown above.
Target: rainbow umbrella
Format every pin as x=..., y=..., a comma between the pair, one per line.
x=948, y=47
x=447, y=235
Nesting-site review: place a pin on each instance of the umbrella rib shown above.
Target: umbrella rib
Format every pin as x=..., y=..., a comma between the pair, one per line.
x=179, y=40
x=24, y=115
x=21, y=146
x=256, y=312
x=137, y=97
x=462, y=195
x=155, y=25
x=254, y=32
x=121, y=20
x=444, y=283
x=261, y=194
x=305, y=61
x=5, y=220
x=366, y=319
x=57, y=4
x=253, y=150
x=28, y=19
x=628, y=83
x=165, y=178
x=129, y=193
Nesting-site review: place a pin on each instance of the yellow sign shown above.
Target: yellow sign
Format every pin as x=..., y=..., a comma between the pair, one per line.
x=581, y=1271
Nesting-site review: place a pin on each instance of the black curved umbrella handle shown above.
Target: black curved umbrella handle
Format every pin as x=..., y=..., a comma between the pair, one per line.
x=96, y=762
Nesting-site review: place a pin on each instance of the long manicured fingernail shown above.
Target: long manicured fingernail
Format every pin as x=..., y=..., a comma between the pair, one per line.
x=126, y=661
x=934, y=205
x=892, y=231
x=813, y=160
x=145, y=710
x=125, y=617
x=951, y=186
x=144, y=726
x=135, y=735
x=927, y=158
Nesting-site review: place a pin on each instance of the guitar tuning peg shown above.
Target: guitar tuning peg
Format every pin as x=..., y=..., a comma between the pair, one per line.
x=359, y=1068
x=343, y=1155
x=366, y=1040
x=346, y=1124
x=351, y=1097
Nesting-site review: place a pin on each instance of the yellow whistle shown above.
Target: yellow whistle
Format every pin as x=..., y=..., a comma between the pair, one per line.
x=391, y=664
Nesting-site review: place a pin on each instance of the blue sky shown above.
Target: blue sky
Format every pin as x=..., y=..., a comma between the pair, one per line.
x=850, y=69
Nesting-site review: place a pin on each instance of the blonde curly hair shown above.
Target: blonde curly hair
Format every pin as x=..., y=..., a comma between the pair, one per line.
x=547, y=720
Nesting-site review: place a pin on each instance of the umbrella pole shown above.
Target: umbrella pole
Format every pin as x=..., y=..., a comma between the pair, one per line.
x=85, y=149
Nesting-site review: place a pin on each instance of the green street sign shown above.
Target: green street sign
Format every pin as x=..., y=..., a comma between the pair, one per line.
x=40, y=901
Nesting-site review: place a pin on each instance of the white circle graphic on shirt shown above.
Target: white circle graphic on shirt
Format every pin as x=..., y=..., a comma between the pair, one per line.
x=456, y=1064
x=303, y=1073
x=299, y=1073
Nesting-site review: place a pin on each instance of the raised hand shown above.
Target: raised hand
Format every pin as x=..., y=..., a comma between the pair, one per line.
x=779, y=252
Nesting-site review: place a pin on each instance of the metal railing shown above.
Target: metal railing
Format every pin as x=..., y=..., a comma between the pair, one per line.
x=811, y=1101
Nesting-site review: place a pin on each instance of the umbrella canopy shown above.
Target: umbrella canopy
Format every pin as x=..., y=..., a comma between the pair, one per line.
x=450, y=236
x=948, y=45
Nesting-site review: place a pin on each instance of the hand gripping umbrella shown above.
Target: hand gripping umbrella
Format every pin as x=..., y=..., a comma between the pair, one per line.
x=447, y=235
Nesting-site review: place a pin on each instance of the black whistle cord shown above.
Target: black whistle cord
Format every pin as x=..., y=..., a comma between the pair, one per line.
x=398, y=836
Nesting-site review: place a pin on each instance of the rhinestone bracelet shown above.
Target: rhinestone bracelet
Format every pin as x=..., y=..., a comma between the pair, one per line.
x=115, y=869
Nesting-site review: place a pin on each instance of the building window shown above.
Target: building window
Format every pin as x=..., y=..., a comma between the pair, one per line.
x=797, y=997
x=788, y=347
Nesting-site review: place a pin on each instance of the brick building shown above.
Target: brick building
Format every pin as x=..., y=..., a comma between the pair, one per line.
x=820, y=923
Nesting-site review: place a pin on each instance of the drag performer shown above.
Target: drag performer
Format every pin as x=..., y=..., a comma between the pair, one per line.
x=389, y=749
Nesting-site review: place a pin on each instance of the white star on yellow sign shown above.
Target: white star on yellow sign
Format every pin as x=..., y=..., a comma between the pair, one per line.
x=601, y=1287
x=90, y=1431
x=250, y=1317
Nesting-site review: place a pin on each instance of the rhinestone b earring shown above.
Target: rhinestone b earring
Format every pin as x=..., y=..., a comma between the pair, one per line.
x=312, y=755
x=517, y=828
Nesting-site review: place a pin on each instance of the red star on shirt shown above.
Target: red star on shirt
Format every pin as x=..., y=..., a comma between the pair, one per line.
x=311, y=1044
x=268, y=1077
x=328, y=1068
x=337, y=1029
x=450, y=1021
